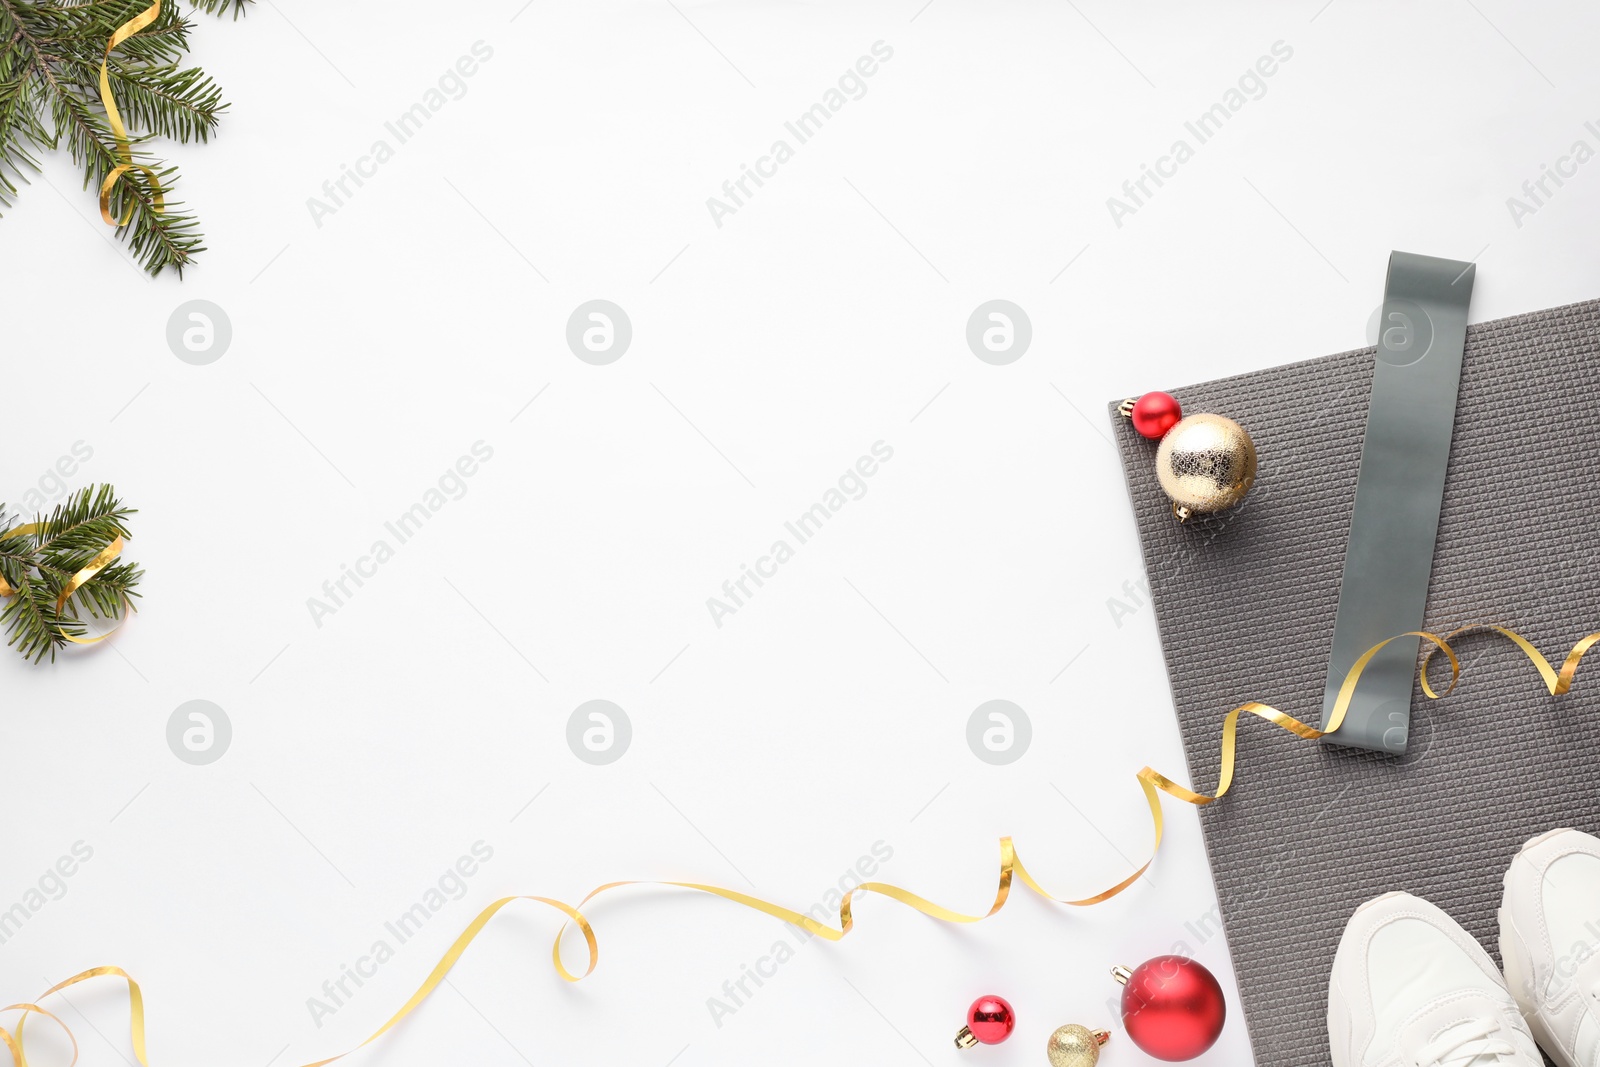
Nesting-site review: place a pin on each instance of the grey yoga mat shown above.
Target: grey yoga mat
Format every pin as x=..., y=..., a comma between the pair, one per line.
x=1245, y=604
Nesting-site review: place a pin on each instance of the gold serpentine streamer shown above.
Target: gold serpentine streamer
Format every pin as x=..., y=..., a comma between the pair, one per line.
x=1151, y=782
x=102, y=559
x=119, y=131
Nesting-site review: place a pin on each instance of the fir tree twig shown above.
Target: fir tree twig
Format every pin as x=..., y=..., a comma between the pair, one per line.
x=38, y=564
x=50, y=56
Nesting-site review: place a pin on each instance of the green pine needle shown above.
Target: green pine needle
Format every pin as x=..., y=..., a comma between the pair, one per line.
x=50, y=55
x=39, y=564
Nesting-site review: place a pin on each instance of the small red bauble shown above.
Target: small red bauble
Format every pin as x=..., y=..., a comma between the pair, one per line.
x=1154, y=414
x=1172, y=1007
x=989, y=1020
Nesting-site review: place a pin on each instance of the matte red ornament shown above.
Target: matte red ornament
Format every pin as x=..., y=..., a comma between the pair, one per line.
x=989, y=1020
x=1172, y=1007
x=1154, y=414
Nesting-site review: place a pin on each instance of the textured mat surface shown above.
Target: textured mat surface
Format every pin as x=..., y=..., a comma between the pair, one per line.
x=1245, y=605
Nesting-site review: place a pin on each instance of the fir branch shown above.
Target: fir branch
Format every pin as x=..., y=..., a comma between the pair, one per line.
x=217, y=7
x=19, y=124
x=164, y=40
x=86, y=521
x=50, y=57
x=159, y=239
x=104, y=596
x=16, y=556
x=182, y=103
x=32, y=624
x=39, y=564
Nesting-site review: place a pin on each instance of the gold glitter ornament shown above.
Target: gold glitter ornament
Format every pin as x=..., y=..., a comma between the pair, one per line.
x=1075, y=1046
x=1205, y=463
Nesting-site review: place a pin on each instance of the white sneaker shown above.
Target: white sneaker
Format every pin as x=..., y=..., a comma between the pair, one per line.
x=1550, y=942
x=1411, y=988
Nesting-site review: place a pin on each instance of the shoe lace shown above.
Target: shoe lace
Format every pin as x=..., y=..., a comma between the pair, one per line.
x=1474, y=1043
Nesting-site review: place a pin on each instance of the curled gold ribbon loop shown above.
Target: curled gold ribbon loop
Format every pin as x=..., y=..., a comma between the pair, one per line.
x=13, y=1043
x=448, y=960
x=94, y=567
x=1559, y=683
x=135, y=1002
x=100, y=562
x=119, y=131
x=1151, y=782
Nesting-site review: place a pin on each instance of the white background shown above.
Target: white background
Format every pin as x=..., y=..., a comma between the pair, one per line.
x=828, y=313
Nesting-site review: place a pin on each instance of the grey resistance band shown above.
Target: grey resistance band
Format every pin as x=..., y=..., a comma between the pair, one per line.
x=1398, y=494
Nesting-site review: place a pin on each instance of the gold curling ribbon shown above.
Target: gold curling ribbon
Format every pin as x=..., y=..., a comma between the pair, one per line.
x=119, y=131
x=99, y=563
x=13, y=1041
x=1151, y=782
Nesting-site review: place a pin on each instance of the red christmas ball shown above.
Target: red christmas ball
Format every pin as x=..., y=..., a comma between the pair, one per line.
x=991, y=1019
x=1172, y=1007
x=1154, y=414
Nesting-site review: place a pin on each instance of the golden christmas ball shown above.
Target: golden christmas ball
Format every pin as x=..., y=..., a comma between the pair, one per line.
x=1075, y=1046
x=1205, y=463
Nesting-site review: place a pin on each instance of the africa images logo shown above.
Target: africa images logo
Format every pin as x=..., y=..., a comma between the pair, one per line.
x=851, y=485
x=449, y=887
x=450, y=85
x=809, y=123
x=451, y=485
x=1251, y=85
